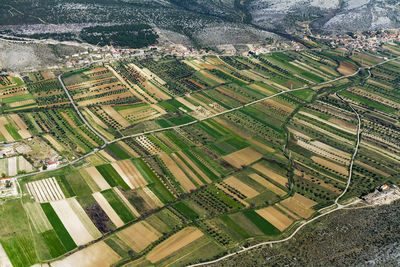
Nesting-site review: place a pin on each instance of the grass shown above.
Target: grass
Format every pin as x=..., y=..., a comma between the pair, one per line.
x=20, y=251
x=176, y=104
x=234, y=226
x=368, y=102
x=114, y=243
x=115, y=150
x=221, y=195
x=227, y=77
x=191, y=168
x=222, y=148
x=20, y=108
x=111, y=176
x=65, y=186
x=53, y=243
x=164, y=220
x=181, y=120
x=119, y=108
x=305, y=94
x=212, y=132
x=58, y=227
x=156, y=185
x=159, y=224
x=199, y=164
x=186, y=210
x=119, y=207
x=159, y=143
x=176, y=140
x=18, y=98
x=12, y=131
x=238, y=143
x=163, y=123
x=78, y=184
x=261, y=223
x=17, y=81
x=200, y=250
x=16, y=237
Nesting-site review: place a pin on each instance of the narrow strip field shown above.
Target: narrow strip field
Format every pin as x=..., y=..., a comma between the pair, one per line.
x=174, y=243
x=71, y=222
x=98, y=254
x=108, y=209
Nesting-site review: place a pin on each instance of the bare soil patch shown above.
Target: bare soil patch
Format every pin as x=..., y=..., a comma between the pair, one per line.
x=101, y=200
x=98, y=178
x=132, y=173
x=71, y=222
x=179, y=175
x=241, y=187
x=275, y=217
x=99, y=254
x=271, y=174
x=346, y=68
x=174, y=243
x=270, y=186
x=299, y=205
x=243, y=157
x=330, y=165
x=139, y=235
x=3, y=130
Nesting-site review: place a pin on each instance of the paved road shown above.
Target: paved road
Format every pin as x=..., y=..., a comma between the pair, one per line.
x=106, y=142
x=337, y=204
x=179, y=126
x=276, y=241
x=234, y=109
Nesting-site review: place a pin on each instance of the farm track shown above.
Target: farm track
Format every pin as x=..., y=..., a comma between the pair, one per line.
x=303, y=224
x=187, y=124
x=80, y=114
x=337, y=204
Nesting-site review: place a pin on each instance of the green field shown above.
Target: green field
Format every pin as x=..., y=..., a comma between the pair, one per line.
x=119, y=207
x=234, y=226
x=155, y=184
x=111, y=176
x=53, y=243
x=58, y=227
x=12, y=131
x=368, y=102
x=78, y=184
x=299, y=137
x=118, y=152
x=262, y=224
x=65, y=186
x=16, y=237
x=186, y=211
x=18, y=98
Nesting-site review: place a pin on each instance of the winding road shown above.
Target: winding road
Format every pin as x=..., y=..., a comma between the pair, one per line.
x=108, y=142
x=80, y=114
x=329, y=209
x=337, y=204
x=182, y=125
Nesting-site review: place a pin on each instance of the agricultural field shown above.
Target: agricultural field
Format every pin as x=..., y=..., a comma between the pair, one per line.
x=177, y=161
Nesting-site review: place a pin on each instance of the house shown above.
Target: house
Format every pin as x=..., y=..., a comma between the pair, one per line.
x=51, y=165
x=384, y=187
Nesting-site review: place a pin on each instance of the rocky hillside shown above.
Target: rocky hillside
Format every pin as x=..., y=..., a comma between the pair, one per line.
x=327, y=15
x=198, y=22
